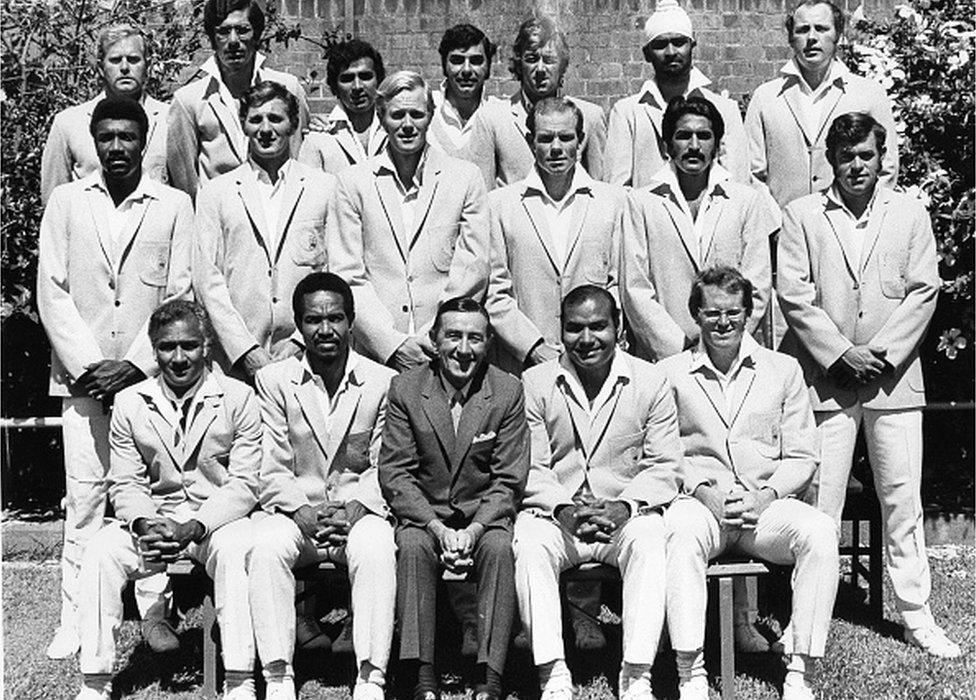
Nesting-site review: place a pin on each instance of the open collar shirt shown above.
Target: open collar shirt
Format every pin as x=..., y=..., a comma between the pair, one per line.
x=559, y=214
x=730, y=383
x=813, y=101
x=328, y=403
x=339, y=121
x=118, y=216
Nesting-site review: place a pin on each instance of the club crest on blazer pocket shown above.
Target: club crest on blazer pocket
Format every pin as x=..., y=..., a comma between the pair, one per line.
x=152, y=261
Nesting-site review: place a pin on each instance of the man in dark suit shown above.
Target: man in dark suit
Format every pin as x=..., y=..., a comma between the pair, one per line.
x=452, y=466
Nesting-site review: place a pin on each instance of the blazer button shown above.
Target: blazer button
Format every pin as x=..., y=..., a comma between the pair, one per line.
x=118, y=303
x=405, y=308
x=274, y=300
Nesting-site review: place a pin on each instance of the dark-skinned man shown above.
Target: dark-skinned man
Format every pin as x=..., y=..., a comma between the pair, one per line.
x=113, y=246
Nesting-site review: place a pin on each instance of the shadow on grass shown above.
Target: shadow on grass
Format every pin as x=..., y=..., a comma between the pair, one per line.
x=850, y=605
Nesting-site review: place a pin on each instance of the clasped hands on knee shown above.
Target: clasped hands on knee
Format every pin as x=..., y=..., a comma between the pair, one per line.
x=164, y=539
x=329, y=525
x=593, y=522
x=456, y=545
x=738, y=510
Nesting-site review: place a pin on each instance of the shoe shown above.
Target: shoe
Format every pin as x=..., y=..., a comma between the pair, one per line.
x=933, y=639
x=521, y=641
x=798, y=691
x=748, y=640
x=243, y=691
x=638, y=689
x=784, y=645
x=343, y=643
x=426, y=695
x=693, y=689
x=557, y=691
x=309, y=636
x=64, y=645
x=469, y=639
x=589, y=636
x=368, y=691
x=89, y=693
x=283, y=689
x=160, y=635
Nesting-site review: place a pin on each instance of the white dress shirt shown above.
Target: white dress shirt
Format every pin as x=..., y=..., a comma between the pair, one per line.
x=328, y=403
x=376, y=135
x=813, y=101
x=559, y=215
x=271, y=194
x=118, y=216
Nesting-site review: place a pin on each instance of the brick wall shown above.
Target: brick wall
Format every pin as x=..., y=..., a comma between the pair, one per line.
x=741, y=43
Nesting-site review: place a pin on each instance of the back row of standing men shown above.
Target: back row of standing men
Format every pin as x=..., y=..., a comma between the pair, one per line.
x=409, y=226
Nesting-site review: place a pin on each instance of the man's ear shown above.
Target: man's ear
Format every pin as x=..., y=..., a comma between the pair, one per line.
x=646, y=50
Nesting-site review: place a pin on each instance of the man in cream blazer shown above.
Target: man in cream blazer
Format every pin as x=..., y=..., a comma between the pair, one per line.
x=750, y=446
x=551, y=232
x=205, y=138
x=185, y=452
x=113, y=246
x=411, y=230
x=635, y=148
x=605, y=460
x=691, y=215
x=323, y=417
x=788, y=117
x=123, y=62
x=540, y=56
x=858, y=280
x=260, y=229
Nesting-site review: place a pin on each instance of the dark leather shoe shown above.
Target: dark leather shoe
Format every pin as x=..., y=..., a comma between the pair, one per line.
x=343, y=643
x=589, y=636
x=160, y=635
x=469, y=639
x=309, y=636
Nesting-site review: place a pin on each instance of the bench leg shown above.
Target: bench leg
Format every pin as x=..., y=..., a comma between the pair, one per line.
x=209, y=647
x=876, y=574
x=727, y=642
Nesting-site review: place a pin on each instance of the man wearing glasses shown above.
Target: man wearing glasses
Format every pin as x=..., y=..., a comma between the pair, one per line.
x=750, y=445
x=205, y=138
x=636, y=148
x=540, y=56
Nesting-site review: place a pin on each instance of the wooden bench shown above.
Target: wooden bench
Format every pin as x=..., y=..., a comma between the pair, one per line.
x=188, y=567
x=861, y=505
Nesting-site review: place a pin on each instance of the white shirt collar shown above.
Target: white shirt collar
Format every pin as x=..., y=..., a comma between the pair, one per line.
x=700, y=358
x=651, y=93
x=385, y=162
x=582, y=183
x=619, y=373
x=718, y=177
x=145, y=188
x=348, y=377
x=261, y=175
x=836, y=74
x=211, y=68
x=834, y=196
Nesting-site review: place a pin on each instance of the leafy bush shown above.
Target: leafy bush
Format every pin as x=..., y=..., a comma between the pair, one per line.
x=923, y=57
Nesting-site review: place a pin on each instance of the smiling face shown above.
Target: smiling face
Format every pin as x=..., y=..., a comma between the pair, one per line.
x=268, y=130
x=325, y=327
x=693, y=145
x=181, y=350
x=814, y=38
x=123, y=69
x=589, y=333
x=857, y=167
x=541, y=71
x=466, y=71
x=670, y=55
x=461, y=340
x=406, y=118
x=118, y=143
x=722, y=319
x=555, y=143
x=235, y=43
x=356, y=86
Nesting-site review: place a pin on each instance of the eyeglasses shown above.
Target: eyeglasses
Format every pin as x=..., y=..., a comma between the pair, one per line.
x=678, y=42
x=714, y=315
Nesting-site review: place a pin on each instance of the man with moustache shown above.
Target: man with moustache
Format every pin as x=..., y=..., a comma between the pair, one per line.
x=636, y=148
x=205, y=138
x=466, y=56
x=453, y=464
x=858, y=281
x=788, y=117
x=750, y=447
x=540, y=56
x=323, y=416
x=353, y=132
x=605, y=461
x=689, y=216
x=186, y=447
x=112, y=246
x=411, y=230
x=260, y=229
x=124, y=59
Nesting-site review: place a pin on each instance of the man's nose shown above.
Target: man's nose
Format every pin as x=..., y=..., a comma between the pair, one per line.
x=464, y=346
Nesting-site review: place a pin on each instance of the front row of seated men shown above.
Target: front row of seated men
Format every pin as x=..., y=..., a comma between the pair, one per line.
x=606, y=458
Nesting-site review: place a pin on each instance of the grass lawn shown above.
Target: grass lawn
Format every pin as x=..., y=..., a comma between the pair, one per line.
x=862, y=662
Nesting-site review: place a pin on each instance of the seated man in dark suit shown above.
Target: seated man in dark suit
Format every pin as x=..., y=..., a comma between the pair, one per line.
x=452, y=467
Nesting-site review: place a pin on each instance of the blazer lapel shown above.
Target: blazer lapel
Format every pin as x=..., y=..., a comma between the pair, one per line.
x=827, y=112
x=791, y=96
x=709, y=223
x=748, y=376
x=684, y=226
x=305, y=395
x=294, y=187
x=390, y=200
x=875, y=225
x=205, y=414
x=342, y=416
x=96, y=205
x=349, y=144
x=654, y=116
x=163, y=429
x=133, y=222
x=231, y=125
x=432, y=179
x=472, y=417
x=581, y=207
x=534, y=210
x=839, y=225
x=251, y=200
x=433, y=400
x=603, y=415
x=715, y=397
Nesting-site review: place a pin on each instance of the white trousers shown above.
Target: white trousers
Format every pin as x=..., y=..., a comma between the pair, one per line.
x=788, y=532
x=894, y=442
x=369, y=554
x=86, y=449
x=543, y=549
x=112, y=558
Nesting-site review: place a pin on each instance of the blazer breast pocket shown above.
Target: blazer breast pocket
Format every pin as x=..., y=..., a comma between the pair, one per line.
x=442, y=251
x=152, y=260
x=764, y=430
x=595, y=261
x=626, y=451
x=353, y=454
x=892, y=268
x=308, y=244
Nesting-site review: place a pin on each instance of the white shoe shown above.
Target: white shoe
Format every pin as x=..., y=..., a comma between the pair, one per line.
x=283, y=689
x=368, y=691
x=933, y=639
x=557, y=691
x=638, y=689
x=244, y=691
x=64, y=645
x=798, y=691
x=784, y=645
x=694, y=689
x=89, y=693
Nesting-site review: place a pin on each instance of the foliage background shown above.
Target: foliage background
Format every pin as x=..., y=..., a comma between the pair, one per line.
x=923, y=55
